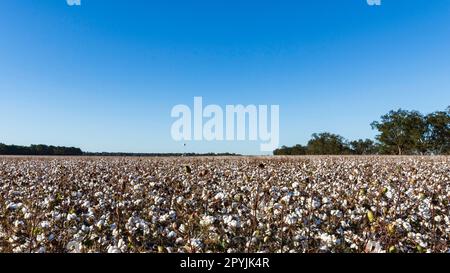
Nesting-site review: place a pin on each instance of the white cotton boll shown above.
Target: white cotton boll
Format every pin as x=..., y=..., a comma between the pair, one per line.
x=172, y=214
x=277, y=206
x=234, y=223
x=114, y=249
x=407, y=226
x=182, y=228
x=24, y=210
x=57, y=216
x=74, y=247
x=42, y=249
x=71, y=216
x=337, y=213
x=219, y=196
x=98, y=194
x=13, y=206
x=163, y=218
x=316, y=203
x=40, y=238
x=45, y=224
x=374, y=247
x=47, y=201
x=227, y=219
x=18, y=223
x=85, y=228
x=291, y=219
x=422, y=243
x=115, y=232
x=286, y=199
x=231, y=250
x=388, y=194
x=159, y=200
x=18, y=249
x=326, y=238
x=27, y=216
x=100, y=224
x=122, y=245
x=196, y=243
x=207, y=220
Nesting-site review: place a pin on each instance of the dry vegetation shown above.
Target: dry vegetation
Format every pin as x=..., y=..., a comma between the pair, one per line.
x=305, y=204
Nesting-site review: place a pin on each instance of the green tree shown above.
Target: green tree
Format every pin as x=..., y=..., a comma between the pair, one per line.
x=402, y=132
x=38, y=150
x=327, y=144
x=284, y=150
x=298, y=150
x=295, y=150
x=438, y=134
x=363, y=147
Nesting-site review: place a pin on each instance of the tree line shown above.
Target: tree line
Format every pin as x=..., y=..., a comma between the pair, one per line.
x=71, y=151
x=400, y=132
x=38, y=150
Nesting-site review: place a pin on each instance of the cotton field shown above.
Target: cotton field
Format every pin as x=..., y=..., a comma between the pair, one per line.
x=229, y=204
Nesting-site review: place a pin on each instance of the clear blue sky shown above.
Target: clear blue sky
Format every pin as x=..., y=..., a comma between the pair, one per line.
x=104, y=76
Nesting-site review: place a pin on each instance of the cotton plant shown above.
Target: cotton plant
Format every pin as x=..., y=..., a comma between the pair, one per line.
x=227, y=204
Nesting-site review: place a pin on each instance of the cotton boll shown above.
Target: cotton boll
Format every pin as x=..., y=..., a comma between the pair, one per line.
x=291, y=219
x=74, y=247
x=114, y=249
x=172, y=235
